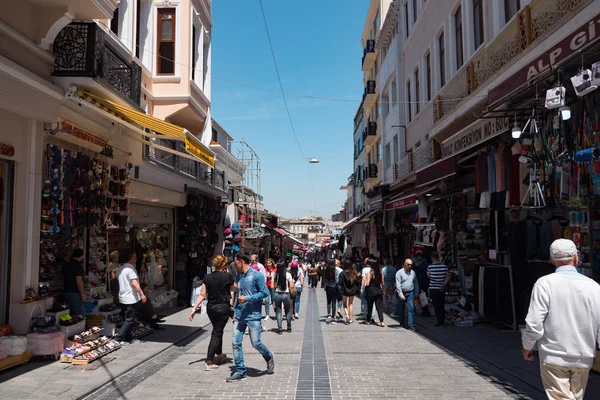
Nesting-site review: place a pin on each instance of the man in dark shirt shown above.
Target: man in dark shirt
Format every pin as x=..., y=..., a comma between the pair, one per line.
x=73, y=279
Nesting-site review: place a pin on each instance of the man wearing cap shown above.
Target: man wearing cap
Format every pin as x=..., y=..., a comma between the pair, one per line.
x=564, y=318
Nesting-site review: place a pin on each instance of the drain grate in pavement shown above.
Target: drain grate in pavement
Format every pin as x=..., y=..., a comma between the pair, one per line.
x=313, y=373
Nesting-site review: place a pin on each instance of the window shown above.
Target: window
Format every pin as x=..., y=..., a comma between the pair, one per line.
x=387, y=159
x=166, y=41
x=478, y=22
x=511, y=7
x=205, y=65
x=408, y=101
x=406, y=17
x=195, y=54
x=138, y=21
x=417, y=92
x=458, y=38
x=385, y=104
x=442, y=55
x=379, y=149
x=396, y=150
x=114, y=22
x=394, y=95
x=428, y=68
x=414, y=11
x=376, y=24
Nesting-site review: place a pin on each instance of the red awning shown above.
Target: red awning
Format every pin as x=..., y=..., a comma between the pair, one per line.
x=401, y=202
x=280, y=231
x=437, y=171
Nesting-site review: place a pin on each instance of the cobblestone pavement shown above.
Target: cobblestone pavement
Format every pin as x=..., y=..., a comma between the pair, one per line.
x=318, y=361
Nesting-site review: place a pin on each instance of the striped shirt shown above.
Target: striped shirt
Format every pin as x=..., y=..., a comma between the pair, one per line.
x=437, y=274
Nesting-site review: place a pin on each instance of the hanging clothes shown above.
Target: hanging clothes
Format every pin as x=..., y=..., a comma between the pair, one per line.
x=500, y=171
x=482, y=173
x=491, y=161
x=539, y=239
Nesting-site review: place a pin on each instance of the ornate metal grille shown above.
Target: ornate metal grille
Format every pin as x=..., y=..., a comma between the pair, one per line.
x=82, y=49
x=422, y=155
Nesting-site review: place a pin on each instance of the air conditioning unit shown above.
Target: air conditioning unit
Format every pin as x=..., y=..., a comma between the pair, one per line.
x=582, y=83
x=555, y=97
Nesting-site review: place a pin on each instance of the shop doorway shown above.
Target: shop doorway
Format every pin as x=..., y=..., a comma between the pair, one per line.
x=6, y=196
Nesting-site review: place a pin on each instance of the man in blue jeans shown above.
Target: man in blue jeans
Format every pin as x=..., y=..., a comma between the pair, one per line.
x=252, y=290
x=406, y=287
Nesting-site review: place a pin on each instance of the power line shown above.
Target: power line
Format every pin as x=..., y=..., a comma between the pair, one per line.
x=287, y=109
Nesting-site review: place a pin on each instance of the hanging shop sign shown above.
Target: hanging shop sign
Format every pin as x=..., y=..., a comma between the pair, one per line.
x=143, y=214
x=402, y=202
x=195, y=147
x=585, y=34
x=473, y=135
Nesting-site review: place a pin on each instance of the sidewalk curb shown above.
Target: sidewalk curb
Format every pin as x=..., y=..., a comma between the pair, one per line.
x=109, y=381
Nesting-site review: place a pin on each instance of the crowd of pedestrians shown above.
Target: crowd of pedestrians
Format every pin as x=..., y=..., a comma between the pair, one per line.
x=566, y=351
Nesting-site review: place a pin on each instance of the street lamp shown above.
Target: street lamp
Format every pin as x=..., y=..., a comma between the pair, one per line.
x=313, y=160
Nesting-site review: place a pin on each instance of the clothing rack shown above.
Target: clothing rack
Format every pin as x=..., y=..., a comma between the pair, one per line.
x=482, y=268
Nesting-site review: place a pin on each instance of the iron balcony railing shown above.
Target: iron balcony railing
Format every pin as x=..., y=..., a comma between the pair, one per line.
x=195, y=170
x=369, y=48
x=82, y=49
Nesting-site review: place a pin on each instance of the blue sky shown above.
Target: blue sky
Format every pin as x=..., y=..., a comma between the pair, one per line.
x=318, y=50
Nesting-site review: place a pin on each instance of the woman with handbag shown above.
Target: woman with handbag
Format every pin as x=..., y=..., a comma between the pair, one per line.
x=216, y=288
x=298, y=277
x=374, y=285
x=284, y=289
x=349, y=284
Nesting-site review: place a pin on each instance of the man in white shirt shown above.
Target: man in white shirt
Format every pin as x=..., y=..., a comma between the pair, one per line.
x=564, y=318
x=131, y=297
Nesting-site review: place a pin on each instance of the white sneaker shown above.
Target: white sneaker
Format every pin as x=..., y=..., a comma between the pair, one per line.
x=266, y=317
x=328, y=320
x=333, y=322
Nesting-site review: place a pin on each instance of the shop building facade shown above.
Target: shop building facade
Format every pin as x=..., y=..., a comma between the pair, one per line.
x=99, y=109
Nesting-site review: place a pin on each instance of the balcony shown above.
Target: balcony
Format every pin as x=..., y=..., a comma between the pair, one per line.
x=530, y=26
x=404, y=167
x=194, y=170
x=422, y=155
x=370, y=95
x=83, y=50
x=369, y=55
x=371, y=172
x=370, y=133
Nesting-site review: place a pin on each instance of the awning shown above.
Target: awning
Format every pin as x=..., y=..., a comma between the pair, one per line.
x=437, y=171
x=401, y=201
x=164, y=130
x=350, y=223
x=367, y=215
x=280, y=231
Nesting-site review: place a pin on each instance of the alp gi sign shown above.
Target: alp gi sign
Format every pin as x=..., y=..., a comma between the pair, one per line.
x=475, y=134
x=584, y=35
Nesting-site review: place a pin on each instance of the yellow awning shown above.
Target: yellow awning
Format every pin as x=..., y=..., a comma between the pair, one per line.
x=192, y=144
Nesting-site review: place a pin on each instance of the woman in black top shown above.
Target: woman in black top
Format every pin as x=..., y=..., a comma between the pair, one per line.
x=216, y=288
x=374, y=285
x=349, y=285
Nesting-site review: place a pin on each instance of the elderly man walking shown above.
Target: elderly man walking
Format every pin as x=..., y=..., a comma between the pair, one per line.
x=406, y=287
x=564, y=318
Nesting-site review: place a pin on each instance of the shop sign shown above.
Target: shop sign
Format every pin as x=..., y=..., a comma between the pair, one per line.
x=477, y=133
x=143, y=214
x=75, y=131
x=584, y=35
x=7, y=150
x=196, y=148
x=403, y=202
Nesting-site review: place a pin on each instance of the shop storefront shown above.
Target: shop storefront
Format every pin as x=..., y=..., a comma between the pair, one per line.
x=400, y=213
